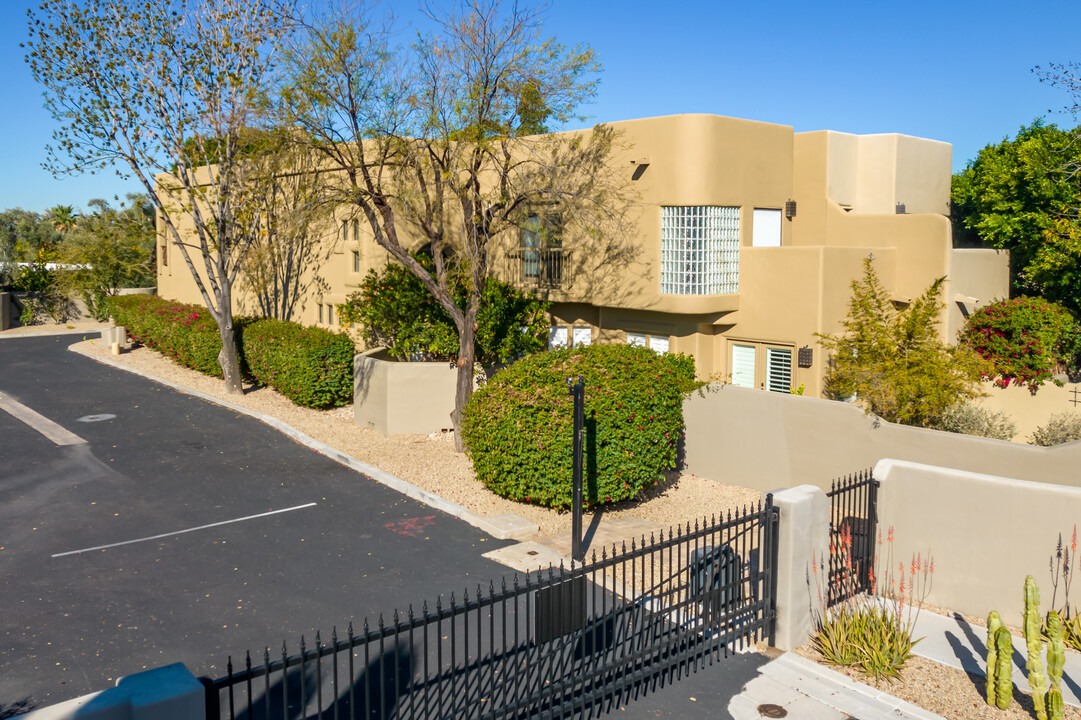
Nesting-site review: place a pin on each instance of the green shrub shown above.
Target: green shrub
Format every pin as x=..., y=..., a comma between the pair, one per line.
x=312, y=367
x=518, y=428
x=1026, y=339
x=396, y=311
x=1061, y=428
x=973, y=419
x=185, y=333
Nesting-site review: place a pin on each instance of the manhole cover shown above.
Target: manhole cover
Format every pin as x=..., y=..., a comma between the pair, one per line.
x=96, y=418
x=769, y=710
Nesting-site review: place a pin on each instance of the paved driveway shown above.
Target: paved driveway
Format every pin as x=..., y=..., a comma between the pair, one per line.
x=339, y=547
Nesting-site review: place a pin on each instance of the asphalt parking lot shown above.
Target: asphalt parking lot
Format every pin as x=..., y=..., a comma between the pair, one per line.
x=183, y=531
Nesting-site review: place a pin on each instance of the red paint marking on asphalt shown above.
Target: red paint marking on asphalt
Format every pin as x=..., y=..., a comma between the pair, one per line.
x=412, y=526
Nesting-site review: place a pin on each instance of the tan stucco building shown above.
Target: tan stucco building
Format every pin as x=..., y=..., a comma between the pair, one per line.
x=747, y=236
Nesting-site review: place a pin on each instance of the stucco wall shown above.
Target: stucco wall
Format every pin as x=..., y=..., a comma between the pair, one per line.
x=985, y=532
x=767, y=440
x=1029, y=411
x=402, y=397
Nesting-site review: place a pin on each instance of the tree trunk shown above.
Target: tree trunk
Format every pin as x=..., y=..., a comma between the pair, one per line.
x=464, y=388
x=228, y=357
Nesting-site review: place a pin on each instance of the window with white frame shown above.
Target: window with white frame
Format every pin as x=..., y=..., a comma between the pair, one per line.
x=779, y=369
x=766, y=228
x=581, y=335
x=699, y=250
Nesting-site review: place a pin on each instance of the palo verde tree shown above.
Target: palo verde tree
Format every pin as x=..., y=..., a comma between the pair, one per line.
x=442, y=143
x=892, y=359
x=162, y=92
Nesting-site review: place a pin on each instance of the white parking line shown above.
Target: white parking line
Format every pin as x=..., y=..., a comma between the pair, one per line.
x=181, y=532
x=42, y=424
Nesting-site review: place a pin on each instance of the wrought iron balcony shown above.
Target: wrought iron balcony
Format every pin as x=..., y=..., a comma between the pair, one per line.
x=539, y=267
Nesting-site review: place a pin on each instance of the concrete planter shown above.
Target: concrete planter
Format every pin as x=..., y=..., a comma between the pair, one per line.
x=397, y=398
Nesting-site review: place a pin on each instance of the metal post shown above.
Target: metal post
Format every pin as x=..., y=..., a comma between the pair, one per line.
x=578, y=391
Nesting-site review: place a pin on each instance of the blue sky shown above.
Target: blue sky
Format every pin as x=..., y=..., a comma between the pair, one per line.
x=953, y=71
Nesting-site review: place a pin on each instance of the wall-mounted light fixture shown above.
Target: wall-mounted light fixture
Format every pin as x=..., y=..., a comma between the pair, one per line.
x=805, y=357
x=900, y=210
x=790, y=209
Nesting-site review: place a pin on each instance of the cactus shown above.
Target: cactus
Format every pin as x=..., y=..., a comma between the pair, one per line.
x=1056, y=659
x=1003, y=643
x=994, y=622
x=1036, y=678
x=1054, y=704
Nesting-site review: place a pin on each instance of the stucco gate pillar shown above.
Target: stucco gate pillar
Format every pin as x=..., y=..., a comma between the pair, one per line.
x=803, y=536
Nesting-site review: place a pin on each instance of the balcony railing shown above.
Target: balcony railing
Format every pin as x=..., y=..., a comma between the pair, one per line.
x=539, y=267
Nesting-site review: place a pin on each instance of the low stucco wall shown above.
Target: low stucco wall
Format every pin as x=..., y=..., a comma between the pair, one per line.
x=397, y=398
x=766, y=440
x=986, y=533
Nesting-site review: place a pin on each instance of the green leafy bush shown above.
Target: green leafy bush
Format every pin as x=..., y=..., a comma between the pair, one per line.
x=1061, y=428
x=518, y=427
x=396, y=311
x=973, y=419
x=1026, y=340
x=185, y=333
x=312, y=367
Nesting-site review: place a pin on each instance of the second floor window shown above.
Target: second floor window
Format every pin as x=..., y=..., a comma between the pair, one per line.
x=699, y=250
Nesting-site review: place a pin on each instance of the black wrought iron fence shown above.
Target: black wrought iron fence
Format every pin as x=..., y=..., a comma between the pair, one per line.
x=853, y=527
x=554, y=643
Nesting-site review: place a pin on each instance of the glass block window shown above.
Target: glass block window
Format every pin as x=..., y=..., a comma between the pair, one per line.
x=581, y=335
x=699, y=250
x=636, y=339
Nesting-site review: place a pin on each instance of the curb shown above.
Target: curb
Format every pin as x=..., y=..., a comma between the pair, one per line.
x=383, y=478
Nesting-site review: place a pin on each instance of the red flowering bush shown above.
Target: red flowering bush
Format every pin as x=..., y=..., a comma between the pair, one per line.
x=518, y=428
x=1026, y=339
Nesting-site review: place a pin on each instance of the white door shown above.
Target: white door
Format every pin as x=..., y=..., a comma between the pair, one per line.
x=743, y=365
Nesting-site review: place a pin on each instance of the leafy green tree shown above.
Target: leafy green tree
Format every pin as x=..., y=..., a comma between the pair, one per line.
x=156, y=90
x=23, y=233
x=440, y=138
x=892, y=359
x=109, y=249
x=396, y=311
x=1013, y=196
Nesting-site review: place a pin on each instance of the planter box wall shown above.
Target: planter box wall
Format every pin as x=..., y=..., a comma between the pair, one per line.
x=397, y=398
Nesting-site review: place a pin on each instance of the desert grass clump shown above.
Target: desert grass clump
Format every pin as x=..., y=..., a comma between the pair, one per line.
x=871, y=632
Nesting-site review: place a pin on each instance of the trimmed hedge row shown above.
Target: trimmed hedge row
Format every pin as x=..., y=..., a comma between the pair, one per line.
x=311, y=366
x=519, y=426
x=184, y=333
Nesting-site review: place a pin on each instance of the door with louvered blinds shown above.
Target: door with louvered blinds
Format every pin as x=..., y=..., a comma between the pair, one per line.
x=779, y=369
x=743, y=365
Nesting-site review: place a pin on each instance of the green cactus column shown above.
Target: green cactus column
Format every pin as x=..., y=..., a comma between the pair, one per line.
x=1036, y=679
x=994, y=622
x=1056, y=659
x=1003, y=643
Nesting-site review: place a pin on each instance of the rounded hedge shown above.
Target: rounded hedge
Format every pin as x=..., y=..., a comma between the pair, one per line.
x=518, y=427
x=1027, y=339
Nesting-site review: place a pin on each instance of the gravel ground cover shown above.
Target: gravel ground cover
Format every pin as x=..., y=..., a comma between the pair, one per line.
x=431, y=463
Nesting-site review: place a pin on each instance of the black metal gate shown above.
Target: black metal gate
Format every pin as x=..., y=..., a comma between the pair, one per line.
x=853, y=530
x=557, y=643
